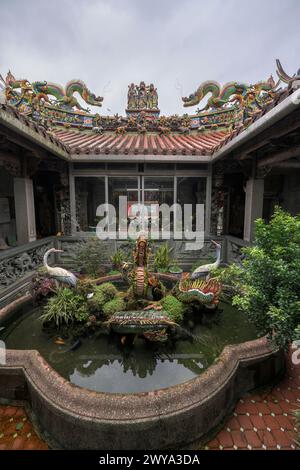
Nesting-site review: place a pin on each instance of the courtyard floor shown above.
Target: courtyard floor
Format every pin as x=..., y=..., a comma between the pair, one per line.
x=260, y=421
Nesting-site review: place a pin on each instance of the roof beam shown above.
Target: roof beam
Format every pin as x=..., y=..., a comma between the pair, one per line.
x=284, y=127
x=279, y=157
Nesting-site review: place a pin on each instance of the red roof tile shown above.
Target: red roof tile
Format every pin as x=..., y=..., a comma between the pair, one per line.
x=85, y=142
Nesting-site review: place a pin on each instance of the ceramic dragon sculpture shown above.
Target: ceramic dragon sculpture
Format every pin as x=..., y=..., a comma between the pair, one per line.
x=222, y=96
x=139, y=274
x=283, y=76
x=200, y=291
x=63, y=96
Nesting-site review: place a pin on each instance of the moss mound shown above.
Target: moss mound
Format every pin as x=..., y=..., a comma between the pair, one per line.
x=108, y=290
x=173, y=307
x=113, y=306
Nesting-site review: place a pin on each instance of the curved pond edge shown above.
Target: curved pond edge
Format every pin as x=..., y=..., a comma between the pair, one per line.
x=77, y=418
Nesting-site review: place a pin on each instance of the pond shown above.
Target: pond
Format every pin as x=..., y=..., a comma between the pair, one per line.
x=101, y=363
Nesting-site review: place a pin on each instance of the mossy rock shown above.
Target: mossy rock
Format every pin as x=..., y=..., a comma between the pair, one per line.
x=173, y=307
x=113, y=306
x=85, y=286
x=96, y=303
x=108, y=290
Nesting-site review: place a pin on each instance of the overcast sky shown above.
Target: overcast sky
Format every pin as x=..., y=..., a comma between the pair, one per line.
x=176, y=44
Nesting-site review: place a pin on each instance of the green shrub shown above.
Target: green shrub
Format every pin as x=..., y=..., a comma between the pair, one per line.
x=231, y=279
x=90, y=257
x=162, y=258
x=113, y=306
x=173, y=307
x=271, y=279
x=118, y=258
x=65, y=307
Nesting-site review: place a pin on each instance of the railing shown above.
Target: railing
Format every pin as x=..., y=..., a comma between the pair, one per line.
x=18, y=264
x=232, y=249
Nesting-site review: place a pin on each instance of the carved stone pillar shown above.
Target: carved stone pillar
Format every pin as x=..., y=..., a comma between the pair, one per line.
x=25, y=213
x=253, y=205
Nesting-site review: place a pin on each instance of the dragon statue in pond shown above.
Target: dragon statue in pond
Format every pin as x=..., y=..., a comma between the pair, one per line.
x=231, y=92
x=18, y=90
x=146, y=290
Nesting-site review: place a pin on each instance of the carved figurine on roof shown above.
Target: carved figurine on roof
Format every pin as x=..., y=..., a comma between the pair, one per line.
x=21, y=93
x=142, y=97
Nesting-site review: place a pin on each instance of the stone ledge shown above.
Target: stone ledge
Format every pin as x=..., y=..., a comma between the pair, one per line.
x=82, y=419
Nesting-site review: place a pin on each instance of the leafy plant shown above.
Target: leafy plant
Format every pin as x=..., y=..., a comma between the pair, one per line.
x=162, y=258
x=175, y=268
x=231, y=279
x=65, y=308
x=118, y=258
x=271, y=279
x=90, y=257
x=173, y=307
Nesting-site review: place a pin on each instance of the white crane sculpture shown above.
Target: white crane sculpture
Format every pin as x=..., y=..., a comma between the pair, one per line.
x=204, y=271
x=59, y=274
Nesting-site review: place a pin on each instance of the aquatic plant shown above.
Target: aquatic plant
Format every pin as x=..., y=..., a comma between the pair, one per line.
x=175, y=268
x=118, y=258
x=271, y=278
x=90, y=257
x=162, y=258
x=64, y=308
x=113, y=306
x=173, y=307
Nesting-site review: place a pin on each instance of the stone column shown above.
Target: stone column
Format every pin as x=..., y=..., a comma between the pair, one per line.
x=253, y=205
x=24, y=207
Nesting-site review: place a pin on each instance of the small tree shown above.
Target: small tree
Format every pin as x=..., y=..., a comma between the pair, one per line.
x=271, y=278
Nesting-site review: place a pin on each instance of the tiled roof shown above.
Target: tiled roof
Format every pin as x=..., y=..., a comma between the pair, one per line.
x=11, y=114
x=86, y=142
x=281, y=96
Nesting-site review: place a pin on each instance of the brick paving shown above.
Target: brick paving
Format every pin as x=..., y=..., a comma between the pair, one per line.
x=263, y=420
x=16, y=430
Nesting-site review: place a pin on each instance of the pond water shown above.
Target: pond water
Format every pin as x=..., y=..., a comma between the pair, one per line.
x=102, y=363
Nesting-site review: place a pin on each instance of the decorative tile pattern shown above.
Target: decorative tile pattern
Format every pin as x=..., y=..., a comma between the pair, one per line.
x=263, y=421
x=16, y=431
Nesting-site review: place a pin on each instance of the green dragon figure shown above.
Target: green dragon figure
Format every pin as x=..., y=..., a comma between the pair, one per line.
x=63, y=96
x=199, y=290
x=222, y=96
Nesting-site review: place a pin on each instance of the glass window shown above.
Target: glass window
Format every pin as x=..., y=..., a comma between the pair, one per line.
x=192, y=191
x=159, y=190
x=123, y=186
x=90, y=193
